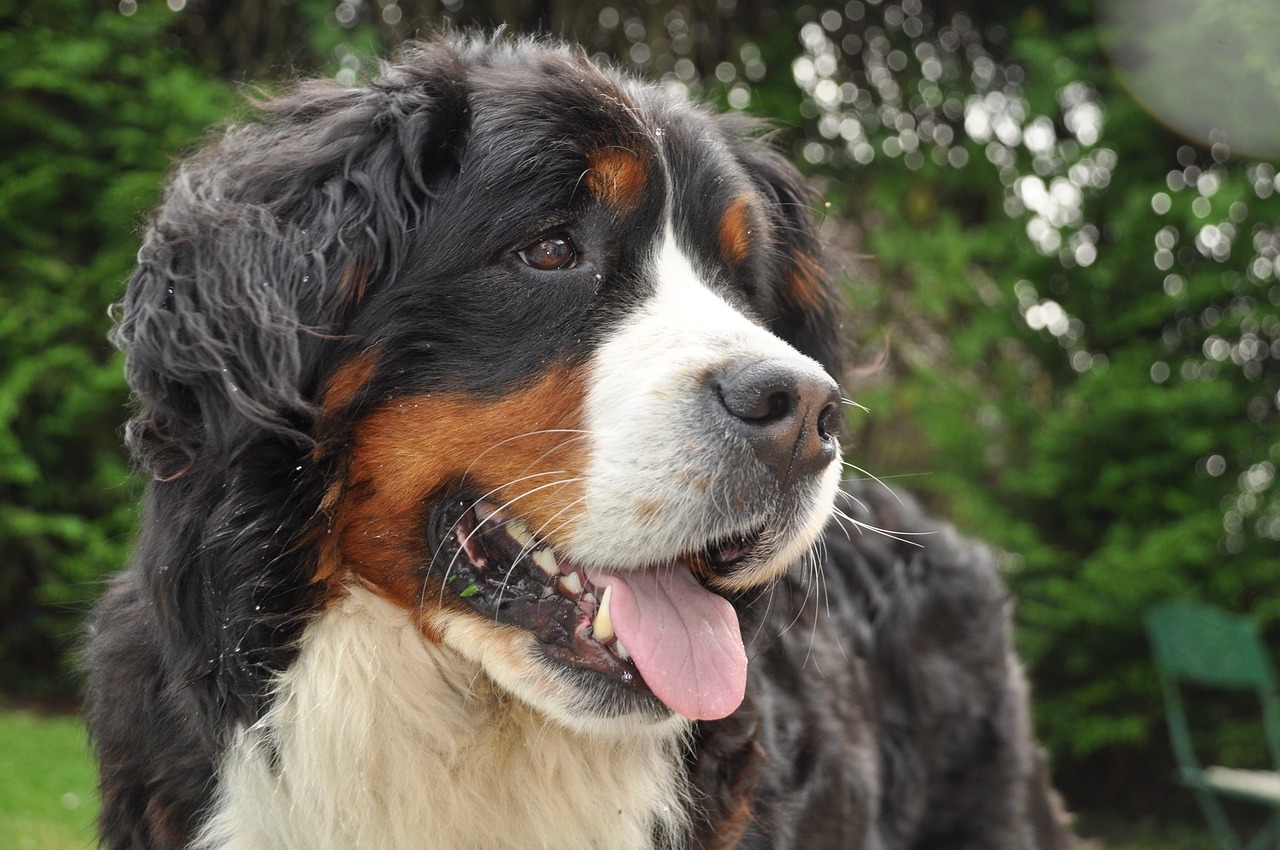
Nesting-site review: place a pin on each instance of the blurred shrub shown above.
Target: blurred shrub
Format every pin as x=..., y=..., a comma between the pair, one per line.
x=92, y=105
x=1080, y=312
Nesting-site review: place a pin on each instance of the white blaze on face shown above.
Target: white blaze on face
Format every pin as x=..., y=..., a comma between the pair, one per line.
x=671, y=471
x=656, y=453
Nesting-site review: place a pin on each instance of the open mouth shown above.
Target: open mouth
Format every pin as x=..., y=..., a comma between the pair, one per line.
x=657, y=632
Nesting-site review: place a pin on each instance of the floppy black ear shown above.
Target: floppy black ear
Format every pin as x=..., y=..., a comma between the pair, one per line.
x=264, y=243
x=809, y=299
x=261, y=244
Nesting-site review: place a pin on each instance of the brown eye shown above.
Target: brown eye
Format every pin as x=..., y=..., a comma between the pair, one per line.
x=549, y=254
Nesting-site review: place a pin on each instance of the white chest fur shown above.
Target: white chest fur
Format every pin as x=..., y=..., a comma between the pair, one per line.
x=379, y=739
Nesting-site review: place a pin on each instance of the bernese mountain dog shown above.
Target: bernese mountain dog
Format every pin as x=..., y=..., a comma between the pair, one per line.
x=495, y=499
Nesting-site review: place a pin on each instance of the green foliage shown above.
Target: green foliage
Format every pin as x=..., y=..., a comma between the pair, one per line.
x=92, y=106
x=1080, y=312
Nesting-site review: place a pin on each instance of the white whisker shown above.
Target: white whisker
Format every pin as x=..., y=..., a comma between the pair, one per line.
x=840, y=525
x=578, y=432
x=890, y=477
x=525, y=550
x=814, y=565
x=538, y=532
x=481, y=498
x=879, y=481
x=900, y=536
x=463, y=543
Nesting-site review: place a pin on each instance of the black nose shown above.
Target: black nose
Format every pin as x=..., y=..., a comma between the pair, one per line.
x=788, y=412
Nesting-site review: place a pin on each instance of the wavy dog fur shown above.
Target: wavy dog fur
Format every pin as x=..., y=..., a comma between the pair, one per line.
x=395, y=344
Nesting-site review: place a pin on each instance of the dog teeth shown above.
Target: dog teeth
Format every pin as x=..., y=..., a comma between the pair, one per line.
x=546, y=561
x=571, y=584
x=521, y=534
x=621, y=650
x=602, y=625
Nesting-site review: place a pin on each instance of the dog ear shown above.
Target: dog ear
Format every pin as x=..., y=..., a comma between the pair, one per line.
x=260, y=253
x=809, y=299
x=263, y=242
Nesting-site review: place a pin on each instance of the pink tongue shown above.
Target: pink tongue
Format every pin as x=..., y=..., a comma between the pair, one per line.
x=683, y=639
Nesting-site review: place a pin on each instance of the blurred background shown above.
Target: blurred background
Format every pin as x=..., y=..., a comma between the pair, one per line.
x=1065, y=309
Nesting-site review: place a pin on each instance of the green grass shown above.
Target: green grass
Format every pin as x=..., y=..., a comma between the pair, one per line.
x=47, y=797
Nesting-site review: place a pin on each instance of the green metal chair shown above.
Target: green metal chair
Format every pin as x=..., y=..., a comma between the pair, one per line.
x=1201, y=645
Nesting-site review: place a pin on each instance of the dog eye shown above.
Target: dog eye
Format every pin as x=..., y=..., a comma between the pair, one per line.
x=550, y=254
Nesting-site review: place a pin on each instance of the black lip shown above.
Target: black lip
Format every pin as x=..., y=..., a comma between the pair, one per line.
x=486, y=569
x=734, y=553
x=491, y=576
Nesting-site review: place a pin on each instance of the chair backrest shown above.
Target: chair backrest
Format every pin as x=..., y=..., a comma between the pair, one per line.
x=1203, y=645
x=1199, y=643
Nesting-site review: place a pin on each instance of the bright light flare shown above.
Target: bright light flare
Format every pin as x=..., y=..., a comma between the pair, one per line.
x=1208, y=69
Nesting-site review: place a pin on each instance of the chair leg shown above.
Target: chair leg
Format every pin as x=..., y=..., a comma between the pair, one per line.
x=1218, y=821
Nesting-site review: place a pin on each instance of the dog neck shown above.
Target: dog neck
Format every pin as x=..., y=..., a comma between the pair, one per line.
x=378, y=738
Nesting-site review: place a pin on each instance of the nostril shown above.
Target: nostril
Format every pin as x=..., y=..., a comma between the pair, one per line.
x=787, y=410
x=780, y=405
x=829, y=422
x=760, y=393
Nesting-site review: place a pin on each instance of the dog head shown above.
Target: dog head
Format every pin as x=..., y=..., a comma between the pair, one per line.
x=538, y=353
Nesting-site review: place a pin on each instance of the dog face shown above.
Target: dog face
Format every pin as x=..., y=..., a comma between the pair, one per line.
x=554, y=345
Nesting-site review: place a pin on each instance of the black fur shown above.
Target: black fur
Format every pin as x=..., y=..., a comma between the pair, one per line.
x=884, y=708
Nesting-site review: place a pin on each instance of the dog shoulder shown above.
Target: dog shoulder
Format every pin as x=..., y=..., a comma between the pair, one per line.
x=890, y=709
x=162, y=766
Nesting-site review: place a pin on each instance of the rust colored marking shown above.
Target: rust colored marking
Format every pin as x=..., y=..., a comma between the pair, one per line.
x=807, y=284
x=352, y=286
x=648, y=510
x=616, y=176
x=168, y=823
x=348, y=380
x=328, y=568
x=726, y=770
x=735, y=230
x=733, y=823
x=524, y=447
